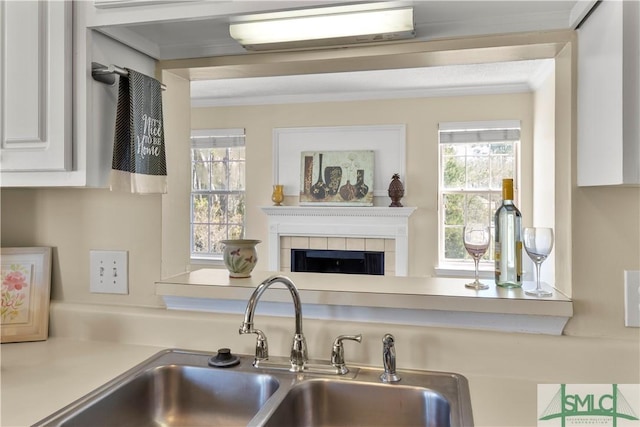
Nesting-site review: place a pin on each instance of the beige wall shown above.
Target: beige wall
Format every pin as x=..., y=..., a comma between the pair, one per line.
x=74, y=221
x=421, y=117
x=606, y=225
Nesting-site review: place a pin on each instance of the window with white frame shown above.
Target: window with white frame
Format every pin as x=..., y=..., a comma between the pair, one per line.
x=474, y=158
x=217, y=190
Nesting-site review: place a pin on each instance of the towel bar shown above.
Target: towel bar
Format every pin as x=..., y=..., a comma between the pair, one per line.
x=106, y=75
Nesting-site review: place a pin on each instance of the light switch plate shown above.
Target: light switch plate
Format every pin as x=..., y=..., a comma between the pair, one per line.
x=632, y=299
x=108, y=272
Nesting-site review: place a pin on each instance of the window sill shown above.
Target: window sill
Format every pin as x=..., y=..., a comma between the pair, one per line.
x=486, y=272
x=464, y=271
x=207, y=262
x=418, y=301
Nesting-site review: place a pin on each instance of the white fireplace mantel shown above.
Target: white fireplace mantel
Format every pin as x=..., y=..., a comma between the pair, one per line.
x=351, y=222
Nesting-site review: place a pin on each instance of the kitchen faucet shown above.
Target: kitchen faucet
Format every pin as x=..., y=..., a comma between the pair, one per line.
x=299, y=356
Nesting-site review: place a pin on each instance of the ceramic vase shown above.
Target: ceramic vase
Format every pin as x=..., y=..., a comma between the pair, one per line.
x=332, y=177
x=347, y=191
x=240, y=257
x=361, y=188
x=278, y=195
x=319, y=189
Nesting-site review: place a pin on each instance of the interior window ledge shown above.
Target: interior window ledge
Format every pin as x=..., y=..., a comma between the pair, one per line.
x=418, y=301
x=486, y=272
x=457, y=271
x=206, y=262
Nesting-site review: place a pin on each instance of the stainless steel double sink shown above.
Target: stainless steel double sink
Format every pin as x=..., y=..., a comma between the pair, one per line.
x=179, y=388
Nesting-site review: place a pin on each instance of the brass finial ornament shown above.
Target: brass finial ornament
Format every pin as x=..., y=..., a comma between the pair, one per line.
x=396, y=191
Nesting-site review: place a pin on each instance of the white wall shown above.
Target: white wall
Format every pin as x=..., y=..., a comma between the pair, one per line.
x=544, y=137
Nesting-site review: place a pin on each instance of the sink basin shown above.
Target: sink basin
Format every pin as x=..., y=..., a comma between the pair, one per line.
x=162, y=393
x=179, y=388
x=338, y=403
x=180, y=396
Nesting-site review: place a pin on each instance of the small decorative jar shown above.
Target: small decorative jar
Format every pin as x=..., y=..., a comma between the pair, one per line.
x=396, y=191
x=278, y=195
x=240, y=257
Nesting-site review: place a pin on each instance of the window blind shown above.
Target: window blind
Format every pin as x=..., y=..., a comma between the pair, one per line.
x=217, y=138
x=470, y=132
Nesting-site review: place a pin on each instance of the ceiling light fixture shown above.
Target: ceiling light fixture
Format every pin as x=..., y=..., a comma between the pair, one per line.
x=323, y=27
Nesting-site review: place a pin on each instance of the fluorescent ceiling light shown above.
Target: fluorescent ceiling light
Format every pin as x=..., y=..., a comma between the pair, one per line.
x=327, y=27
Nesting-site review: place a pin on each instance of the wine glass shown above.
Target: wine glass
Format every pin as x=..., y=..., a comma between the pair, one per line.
x=538, y=242
x=476, y=239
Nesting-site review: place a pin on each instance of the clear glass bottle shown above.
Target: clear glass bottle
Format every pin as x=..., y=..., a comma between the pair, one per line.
x=508, y=240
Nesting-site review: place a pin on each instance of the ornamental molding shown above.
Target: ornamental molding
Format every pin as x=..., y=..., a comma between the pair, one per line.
x=347, y=211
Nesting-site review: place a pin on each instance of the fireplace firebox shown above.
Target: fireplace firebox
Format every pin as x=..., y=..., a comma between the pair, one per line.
x=337, y=261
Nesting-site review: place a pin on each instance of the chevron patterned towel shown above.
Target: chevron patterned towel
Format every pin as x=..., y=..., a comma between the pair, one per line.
x=139, y=162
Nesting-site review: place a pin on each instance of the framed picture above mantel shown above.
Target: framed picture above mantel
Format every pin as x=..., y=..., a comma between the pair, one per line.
x=336, y=178
x=386, y=142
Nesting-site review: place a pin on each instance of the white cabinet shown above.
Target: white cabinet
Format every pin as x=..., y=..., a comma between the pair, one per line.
x=57, y=122
x=36, y=86
x=609, y=95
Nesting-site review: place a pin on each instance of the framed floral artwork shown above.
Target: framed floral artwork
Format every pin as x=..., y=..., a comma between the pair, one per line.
x=26, y=283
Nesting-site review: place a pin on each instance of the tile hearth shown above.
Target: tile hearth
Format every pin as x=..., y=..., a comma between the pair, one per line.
x=341, y=244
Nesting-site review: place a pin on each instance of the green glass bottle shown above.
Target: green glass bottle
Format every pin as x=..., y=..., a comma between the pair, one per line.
x=508, y=240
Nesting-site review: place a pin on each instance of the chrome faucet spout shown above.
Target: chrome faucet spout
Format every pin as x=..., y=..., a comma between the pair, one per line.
x=299, y=346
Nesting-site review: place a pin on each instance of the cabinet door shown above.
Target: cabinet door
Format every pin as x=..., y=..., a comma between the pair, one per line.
x=35, y=89
x=609, y=95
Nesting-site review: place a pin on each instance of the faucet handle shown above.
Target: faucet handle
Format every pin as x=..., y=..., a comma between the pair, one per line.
x=337, y=352
x=338, y=341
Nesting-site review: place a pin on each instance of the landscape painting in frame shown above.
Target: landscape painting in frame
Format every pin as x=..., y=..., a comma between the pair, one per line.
x=336, y=178
x=26, y=281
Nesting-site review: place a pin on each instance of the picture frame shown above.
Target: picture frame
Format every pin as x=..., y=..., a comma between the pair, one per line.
x=387, y=141
x=26, y=284
x=337, y=178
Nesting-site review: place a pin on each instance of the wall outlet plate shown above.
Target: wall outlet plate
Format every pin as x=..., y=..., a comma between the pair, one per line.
x=109, y=272
x=632, y=299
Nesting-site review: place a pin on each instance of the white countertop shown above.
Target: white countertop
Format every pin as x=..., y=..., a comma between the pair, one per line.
x=39, y=378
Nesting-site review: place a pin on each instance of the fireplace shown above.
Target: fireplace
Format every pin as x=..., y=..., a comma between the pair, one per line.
x=336, y=261
x=370, y=229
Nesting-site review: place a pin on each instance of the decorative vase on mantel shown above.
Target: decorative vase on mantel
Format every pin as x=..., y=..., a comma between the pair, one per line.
x=240, y=256
x=396, y=191
x=277, y=196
